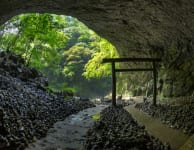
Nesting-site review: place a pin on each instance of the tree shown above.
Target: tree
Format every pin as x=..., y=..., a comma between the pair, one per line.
x=94, y=68
x=60, y=47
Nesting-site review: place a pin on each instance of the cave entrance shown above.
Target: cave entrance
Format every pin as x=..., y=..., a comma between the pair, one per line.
x=63, y=49
x=114, y=70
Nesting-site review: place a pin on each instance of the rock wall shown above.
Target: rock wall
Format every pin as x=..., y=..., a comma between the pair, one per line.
x=162, y=28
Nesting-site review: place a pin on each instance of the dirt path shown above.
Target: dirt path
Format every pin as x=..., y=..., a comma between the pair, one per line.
x=155, y=127
x=68, y=134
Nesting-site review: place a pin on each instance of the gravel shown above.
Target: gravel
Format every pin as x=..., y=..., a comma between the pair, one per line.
x=117, y=130
x=27, y=110
x=176, y=116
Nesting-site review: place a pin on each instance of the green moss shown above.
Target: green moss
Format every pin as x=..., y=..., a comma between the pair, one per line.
x=96, y=117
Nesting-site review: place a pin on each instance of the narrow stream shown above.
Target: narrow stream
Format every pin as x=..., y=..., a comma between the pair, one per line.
x=70, y=133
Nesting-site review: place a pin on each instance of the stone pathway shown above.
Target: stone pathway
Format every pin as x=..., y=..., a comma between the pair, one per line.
x=70, y=133
x=156, y=128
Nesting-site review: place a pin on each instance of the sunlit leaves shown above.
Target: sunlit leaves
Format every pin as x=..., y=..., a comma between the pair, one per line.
x=60, y=46
x=94, y=68
x=96, y=116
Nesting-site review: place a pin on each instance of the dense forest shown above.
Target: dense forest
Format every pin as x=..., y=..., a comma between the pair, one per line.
x=63, y=49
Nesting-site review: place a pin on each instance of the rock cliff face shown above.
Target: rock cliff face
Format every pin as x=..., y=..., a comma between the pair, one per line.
x=162, y=28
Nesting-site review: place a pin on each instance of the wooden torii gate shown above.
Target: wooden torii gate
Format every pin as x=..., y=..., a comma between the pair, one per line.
x=114, y=70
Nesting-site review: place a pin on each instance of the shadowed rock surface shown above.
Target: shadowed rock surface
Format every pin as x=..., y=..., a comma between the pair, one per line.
x=138, y=28
x=128, y=24
x=117, y=130
x=146, y=28
x=177, y=116
x=27, y=111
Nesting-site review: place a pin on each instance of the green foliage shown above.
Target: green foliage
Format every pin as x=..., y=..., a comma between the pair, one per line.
x=96, y=117
x=74, y=59
x=61, y=88
x=94, y=68
x=60, y=47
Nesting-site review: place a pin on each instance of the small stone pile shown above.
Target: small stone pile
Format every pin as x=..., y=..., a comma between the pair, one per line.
x=16, y=67
x=27, y=110
x=117, y=130
x=176, y=116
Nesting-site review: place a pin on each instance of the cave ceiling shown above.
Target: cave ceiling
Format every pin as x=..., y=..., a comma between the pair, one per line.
x=134, y=26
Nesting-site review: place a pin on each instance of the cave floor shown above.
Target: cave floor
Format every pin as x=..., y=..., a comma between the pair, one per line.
x=159, y=130
x=189, y=145
x=70, y=133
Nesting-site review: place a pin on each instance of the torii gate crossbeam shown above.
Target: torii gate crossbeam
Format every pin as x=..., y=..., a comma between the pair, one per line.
x=114, y=70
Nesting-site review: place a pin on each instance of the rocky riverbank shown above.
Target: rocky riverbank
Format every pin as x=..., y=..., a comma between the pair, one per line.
x=117, y=130
x=176, y=116
x=27, y=110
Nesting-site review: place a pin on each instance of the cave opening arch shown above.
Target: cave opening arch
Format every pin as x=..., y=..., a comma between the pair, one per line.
x=61, y=47
x=162, y=28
